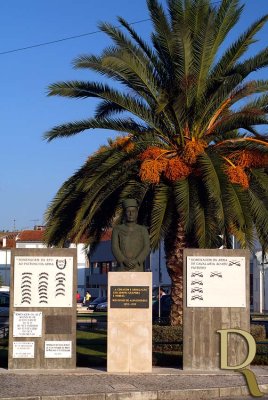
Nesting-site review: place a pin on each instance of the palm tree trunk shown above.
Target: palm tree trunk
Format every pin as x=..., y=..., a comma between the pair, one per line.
x=174, y=246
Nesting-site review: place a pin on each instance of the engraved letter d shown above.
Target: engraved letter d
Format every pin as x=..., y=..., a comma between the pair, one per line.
x=249, y=375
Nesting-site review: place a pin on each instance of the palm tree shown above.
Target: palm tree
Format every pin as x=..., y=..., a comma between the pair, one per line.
x=190, y=147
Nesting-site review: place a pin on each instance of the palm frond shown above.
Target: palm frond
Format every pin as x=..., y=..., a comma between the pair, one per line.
x=237, y=49
x=208, y=169
x=182, y=202
x=158, y=213
x=120, y=125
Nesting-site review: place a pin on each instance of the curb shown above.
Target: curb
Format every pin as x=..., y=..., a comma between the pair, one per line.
x=188, y=394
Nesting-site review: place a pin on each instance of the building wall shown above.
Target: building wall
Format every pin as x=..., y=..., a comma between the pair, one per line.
x=158, y=267
x=82, y=267
x=5, y=262
x=28, y=245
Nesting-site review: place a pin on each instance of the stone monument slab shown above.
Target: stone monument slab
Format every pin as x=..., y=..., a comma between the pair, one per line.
x=215, y=296
x=42, y=331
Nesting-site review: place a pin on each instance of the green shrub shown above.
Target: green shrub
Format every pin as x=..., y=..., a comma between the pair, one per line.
x=167, y=354
x=166, y=334
x=258, y=332
x=261, y=357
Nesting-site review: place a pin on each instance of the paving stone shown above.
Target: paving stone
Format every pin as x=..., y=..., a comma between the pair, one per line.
x=90, y=384
x=197, y=394
x=132, y=396
x=230, y=391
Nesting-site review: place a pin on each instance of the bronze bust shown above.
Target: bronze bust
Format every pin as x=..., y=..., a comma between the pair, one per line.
x=130, y=241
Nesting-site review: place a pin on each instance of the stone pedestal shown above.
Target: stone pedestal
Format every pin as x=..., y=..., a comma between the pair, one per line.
x=129, y=322
x=216, y=296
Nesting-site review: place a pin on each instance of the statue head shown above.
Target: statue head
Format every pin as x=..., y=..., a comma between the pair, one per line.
x=130, y=207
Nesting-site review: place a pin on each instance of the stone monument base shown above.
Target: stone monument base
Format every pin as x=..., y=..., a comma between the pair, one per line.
x=129, y=322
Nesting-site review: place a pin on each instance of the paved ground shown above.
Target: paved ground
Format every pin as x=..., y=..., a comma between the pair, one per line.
x=93, y=384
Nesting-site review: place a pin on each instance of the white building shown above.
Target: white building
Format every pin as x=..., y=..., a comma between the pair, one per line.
x=7, y=242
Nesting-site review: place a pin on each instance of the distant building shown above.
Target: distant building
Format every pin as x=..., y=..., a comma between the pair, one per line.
x=30, y=239
x=7, y=242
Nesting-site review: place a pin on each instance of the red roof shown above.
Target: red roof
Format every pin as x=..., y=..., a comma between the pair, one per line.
x=10, y=244
x=38, y=236
x=10, y=235
x=31, y=236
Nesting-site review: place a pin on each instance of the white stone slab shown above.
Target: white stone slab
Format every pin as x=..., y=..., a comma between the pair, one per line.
x=216, y=281
x=43, y=281
x=58, y=349
x=27, y=324
x=23, y=349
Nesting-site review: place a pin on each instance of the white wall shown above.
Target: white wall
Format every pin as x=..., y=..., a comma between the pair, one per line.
x=82, y=266
x=32, y=245
x=5, y=262
x=5, y=256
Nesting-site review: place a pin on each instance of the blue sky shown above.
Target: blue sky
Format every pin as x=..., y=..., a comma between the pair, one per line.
x=31, y=169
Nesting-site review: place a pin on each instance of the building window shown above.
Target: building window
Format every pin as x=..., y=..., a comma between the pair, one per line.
x=95, y=268
x=105, y=268
x=113, y=266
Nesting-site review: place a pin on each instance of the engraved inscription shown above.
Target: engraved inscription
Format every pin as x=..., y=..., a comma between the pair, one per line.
x=129, y=297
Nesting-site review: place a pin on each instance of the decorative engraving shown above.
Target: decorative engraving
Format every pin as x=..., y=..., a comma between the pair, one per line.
x=196, y=289
x=26, y=288
x=196, y=283
x=60, y=283
x=196, y=297
x=215, y=274
x=42, y=287
x=237, y=263
x=61, y=264
x=193, y=274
